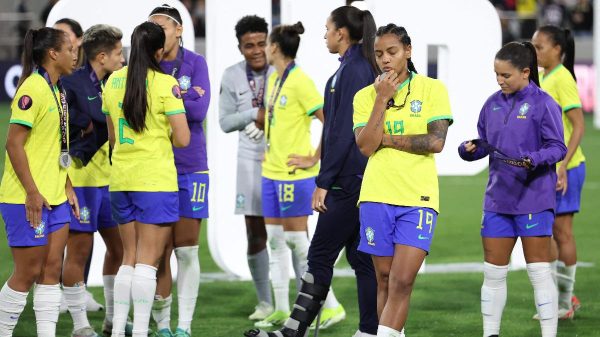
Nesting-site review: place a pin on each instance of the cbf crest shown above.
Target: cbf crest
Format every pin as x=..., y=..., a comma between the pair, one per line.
x=84, y=215
x=40, y=230
x=370, y=234
x=283, y=100
x=523, y=111
x=185, y=83
x=415, y=108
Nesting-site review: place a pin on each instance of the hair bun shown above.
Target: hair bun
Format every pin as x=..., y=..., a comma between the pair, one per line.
x=298, y=28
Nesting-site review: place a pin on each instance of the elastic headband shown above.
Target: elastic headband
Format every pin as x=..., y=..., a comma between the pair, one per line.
x=167, y=15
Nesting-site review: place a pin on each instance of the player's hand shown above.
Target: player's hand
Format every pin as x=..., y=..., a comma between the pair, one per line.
x=260, y=118
x=199, y=90
x=301, y=162
x=33, y=208
x=469, y=146
x=318, y=200
x=72, y=198
x=255, y=134
x=386, y=85
x=562, y=181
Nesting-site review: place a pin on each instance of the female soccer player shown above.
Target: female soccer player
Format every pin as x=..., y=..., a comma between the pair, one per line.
x=556, y=54
x=240, y=99
x=145, y=114
x=35, y=194
x=290, y=163
x=400, y=122
x=89, y=143
x=191, y=72
x=520, y=129
x=75, y=34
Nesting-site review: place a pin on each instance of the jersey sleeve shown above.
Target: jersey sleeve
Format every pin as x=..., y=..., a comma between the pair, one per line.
x=439, y=103
x=27, y=105
x=362, y=105
x=311, y=99
x=171, y=97
x=568, y=94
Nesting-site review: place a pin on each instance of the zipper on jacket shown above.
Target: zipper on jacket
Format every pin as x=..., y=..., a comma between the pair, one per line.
x=510, y=111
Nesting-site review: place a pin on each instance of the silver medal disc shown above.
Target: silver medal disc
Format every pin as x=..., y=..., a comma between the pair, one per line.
x=65, y=160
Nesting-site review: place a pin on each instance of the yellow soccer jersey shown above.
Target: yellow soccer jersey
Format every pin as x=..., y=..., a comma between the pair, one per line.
x=34, y=106
x=143, y=161
x=95, y=174
x=396, y=177
x=559, y=84
x=289, y=131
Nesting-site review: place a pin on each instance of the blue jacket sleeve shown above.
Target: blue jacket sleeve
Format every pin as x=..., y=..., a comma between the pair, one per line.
x=341, y=137
x=479, y=151
x=77, y=119
x=196, y=106
x=553, y=146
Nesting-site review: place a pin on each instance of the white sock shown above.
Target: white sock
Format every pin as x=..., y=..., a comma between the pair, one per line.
x=46, y=305
x=330, y=300
x=554, y=270
x=384, y=331
x=161, y=312
x=493, y=297
x=76, y=299
x=298, y=243
x=109, y=293
x=12, y=304
x=545, y=295
x=143, y=288
x=363, y=334
x=188, y=281
x=566, y=284
x=122, y=298
x=259, y=269
x=279, y=265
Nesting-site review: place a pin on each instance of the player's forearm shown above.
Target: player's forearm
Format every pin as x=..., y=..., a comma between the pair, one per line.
x=369, y=137
x=431, y=142
x=235, y=121
x=576, y=135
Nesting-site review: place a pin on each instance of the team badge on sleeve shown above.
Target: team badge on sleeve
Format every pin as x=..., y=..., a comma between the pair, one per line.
x=25, y=102
x=176, y=91
x=185, y=83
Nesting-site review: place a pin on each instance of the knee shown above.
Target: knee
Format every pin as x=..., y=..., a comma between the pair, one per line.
x=401, y=284
x=383, y=280
x=562, y=234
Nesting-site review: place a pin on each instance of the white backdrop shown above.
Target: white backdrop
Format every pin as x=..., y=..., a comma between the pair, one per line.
x=467, y=40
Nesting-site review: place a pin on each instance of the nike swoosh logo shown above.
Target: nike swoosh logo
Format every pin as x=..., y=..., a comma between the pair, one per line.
x=197, y=208
x=52, y=109
x=285, y=208
x=529, y=226
x=91, y=98
x=421, y=237
x=496, y=108
x=539, y=305
x=243, y=92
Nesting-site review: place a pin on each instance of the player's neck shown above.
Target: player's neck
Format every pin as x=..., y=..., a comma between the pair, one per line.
x=551, y=67
x=344, y=46
x=100, y=72
x=281, y=64
x=172, y=54
x=53, y=73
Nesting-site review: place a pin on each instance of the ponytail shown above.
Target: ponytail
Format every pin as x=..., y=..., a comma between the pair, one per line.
x=36, y=45
x=368, y=39
x=287, y=38
x=146, y=39
x=569, y=53
x=533, y=67
x=564, y=39
x=411, y=66
x=361, y=27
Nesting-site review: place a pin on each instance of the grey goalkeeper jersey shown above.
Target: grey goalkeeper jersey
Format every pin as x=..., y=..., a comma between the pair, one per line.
x=235, y=107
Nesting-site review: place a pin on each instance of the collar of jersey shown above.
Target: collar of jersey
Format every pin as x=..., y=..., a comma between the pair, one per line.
x=545, y=76
x=412, y=74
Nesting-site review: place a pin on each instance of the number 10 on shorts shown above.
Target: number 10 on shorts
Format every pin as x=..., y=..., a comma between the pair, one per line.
x=428, y=219
x=199, y=192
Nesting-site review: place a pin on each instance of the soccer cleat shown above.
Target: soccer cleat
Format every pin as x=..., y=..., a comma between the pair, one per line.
x=91, y=304
x=575, y=303
x=107, y=328
x=85, y=332
x=166, y=332
x=564, y=314
x=329, y=317
x=181, y=333
x=261, y=311
x=276, y=318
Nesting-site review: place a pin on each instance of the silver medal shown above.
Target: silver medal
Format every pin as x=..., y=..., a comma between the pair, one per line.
x=65, y=159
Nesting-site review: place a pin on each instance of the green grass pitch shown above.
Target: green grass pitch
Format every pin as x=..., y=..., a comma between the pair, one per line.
x=442, y=304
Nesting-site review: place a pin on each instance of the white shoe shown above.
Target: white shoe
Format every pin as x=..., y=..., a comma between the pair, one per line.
x=363, y=334
x=261, y=311
x=91, y=304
